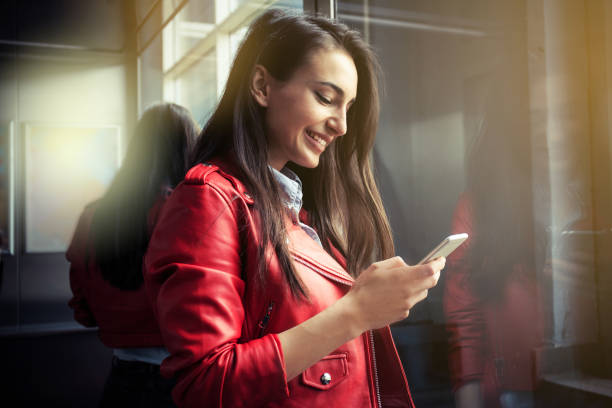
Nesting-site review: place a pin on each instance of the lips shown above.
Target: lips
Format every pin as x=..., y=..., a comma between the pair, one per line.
x=318, y=138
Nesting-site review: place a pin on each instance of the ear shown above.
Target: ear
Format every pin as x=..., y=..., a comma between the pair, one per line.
x=260, y=85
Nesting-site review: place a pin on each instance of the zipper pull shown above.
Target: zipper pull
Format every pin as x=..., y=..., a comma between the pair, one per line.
x=264, y=322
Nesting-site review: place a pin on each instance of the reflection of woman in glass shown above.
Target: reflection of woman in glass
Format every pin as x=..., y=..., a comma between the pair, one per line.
x=107, y=250
x=491, y=297
x=260, y=302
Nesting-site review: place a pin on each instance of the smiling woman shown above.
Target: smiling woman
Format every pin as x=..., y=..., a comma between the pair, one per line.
x=306, y=113
x=264, y=299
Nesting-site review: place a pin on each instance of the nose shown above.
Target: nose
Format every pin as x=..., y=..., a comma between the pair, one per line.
x=337, y=123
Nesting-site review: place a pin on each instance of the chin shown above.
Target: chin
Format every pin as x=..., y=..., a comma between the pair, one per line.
x=309, y=163
x=307, y=159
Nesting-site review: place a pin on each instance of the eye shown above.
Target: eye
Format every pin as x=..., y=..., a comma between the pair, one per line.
x=322, y=99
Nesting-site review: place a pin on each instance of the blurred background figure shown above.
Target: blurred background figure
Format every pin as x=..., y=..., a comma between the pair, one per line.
x=106, y=253
x=491, y=298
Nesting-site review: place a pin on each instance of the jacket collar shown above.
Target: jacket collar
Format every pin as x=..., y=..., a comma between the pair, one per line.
x=310, y=253
x=230, y=170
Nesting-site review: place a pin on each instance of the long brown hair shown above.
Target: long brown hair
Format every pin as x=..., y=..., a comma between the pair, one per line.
x=499, y=185
x=158, y=156
x=341, y=195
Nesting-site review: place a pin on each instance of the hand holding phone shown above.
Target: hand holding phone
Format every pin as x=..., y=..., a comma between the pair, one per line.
x=445, y=248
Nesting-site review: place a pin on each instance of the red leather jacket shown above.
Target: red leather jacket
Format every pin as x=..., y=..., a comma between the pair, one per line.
x=124, y=318
x=220, y=326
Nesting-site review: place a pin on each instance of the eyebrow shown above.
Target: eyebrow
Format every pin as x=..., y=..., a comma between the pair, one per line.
x=336, y=88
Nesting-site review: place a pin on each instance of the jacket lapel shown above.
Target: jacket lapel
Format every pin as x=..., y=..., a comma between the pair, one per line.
x=309, y=253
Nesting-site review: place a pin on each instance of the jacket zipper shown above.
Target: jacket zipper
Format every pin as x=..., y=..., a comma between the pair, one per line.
x=263, y=323
x=376, y=383
x=331, y=277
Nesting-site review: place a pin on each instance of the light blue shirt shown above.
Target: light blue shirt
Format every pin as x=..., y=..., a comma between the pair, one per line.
x=151, y=355
x=291, y=187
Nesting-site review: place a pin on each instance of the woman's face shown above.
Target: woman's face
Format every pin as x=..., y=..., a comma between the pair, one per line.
x=306, y=113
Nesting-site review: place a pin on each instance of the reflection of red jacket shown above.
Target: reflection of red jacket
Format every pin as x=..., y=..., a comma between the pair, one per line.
x=220, y=326
x=486, y=335
x=124, y=318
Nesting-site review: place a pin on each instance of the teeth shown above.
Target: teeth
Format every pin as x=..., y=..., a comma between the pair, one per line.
x=318, y=139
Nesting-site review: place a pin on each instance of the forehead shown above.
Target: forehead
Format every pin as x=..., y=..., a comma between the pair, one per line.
x=334, y=65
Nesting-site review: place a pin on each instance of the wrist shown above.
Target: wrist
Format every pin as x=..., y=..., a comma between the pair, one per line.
x=350, y=316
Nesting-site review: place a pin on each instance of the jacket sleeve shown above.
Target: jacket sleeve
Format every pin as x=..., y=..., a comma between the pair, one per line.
x=193, y=276
x=464, y=315
x=77, y=256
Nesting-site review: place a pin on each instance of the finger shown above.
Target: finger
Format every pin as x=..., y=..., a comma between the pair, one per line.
x=435, y=279
x=430, y=269
x=413, y=274
x=421, y=296
x=418, y=277
x=397, y=261
x=381, y=266
x=438, y=263
x=431, y=279
x=388, y=263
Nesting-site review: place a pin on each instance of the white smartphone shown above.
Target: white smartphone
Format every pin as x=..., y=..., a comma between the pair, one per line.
x=445, y=247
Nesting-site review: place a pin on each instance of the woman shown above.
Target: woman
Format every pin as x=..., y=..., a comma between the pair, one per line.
x=261, y=302
x=106, y=256
x=491, y=295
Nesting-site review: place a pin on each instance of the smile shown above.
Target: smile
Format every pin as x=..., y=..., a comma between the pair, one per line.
x=317, y=138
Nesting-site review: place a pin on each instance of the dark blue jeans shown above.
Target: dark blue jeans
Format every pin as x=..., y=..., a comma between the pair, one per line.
x=135, y=384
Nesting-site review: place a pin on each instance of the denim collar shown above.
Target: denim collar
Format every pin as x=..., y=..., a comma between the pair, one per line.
x=291, y=187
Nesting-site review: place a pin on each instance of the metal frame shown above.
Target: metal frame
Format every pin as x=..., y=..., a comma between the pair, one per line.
x=323, y=7
x=10, y=186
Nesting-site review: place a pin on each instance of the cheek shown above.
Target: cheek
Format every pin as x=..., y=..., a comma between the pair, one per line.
x=280, y=129
x=288, y=118
x=290, y=113
x=277, y=121
x=304, y=114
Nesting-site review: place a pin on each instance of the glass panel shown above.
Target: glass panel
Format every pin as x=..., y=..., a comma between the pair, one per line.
x=88, y=156
x=150, y=75
x=290, y=4
x=197, y=87
x=152, y=17
x=495, y=122
x=170, y=7
x=197, y=50
x=193, y=23
x=150, y=27
x=142, y=9
x=236, y=38
x=234, y=4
